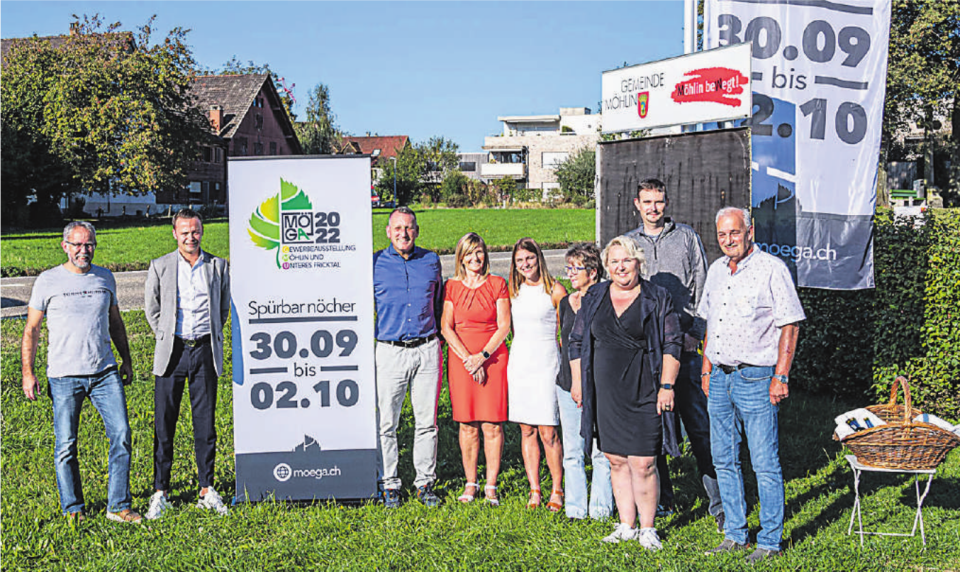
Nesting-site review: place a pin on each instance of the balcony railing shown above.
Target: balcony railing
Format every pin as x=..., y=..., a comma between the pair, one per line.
x=495, y=170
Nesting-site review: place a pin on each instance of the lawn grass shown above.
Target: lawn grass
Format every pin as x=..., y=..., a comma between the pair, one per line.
x=282, y=536
x=132, y=247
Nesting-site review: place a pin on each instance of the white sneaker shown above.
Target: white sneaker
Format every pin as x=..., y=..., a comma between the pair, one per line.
x=621, y=532
x=158, y=506
x=648, y=539
x=212, y=501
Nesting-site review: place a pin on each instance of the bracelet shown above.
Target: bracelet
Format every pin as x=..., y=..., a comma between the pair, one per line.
x=705, y=374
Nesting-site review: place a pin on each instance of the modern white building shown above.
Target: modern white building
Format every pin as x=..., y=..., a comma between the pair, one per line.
x=531, y=146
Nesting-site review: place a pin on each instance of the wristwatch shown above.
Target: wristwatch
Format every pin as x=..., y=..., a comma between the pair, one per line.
x=487, y=355
x=666, y=386
x=784, y=379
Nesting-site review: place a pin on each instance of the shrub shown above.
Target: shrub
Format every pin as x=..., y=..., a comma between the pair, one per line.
x=853, y=343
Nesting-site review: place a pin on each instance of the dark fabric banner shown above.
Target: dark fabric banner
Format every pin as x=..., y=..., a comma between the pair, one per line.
x=307, y=473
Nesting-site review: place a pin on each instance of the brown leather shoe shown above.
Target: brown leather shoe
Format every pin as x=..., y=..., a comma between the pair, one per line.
x=125, y=515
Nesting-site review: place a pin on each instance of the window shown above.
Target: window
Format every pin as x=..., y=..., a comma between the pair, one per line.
x=218, y=155
x=207, y=154
x=195, y=187
x=240, y=146
x=259, y=122
x=205, y=188
x=553, y=160
x=468, y=166
x=258, y=148
x=273, y=147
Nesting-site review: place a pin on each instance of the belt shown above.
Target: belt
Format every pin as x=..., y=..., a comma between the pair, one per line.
x=416, y=342
x=202, y=340
x=728, y=369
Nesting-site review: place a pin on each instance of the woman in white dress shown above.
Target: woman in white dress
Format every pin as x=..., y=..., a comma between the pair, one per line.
x=533, y=366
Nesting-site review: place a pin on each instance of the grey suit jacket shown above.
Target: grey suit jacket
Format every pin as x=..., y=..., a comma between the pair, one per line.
x=160, y=304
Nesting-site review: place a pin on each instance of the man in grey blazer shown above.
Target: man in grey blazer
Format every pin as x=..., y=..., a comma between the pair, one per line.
x=187, y=301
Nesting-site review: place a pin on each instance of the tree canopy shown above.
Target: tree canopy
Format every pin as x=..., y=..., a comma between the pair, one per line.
x=923, y=74
x=319, y=133
x=102, y=110
x=420, y=168
x=235, y=67
x=576, y=176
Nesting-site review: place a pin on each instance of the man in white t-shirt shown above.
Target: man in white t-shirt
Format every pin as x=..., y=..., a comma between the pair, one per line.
x=79, y=301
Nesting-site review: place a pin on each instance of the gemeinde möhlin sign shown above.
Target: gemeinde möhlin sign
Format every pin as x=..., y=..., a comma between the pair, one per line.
x=302, y=288
x=697, y=88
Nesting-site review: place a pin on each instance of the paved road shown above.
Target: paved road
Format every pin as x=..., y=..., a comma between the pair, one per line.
x=16, y=291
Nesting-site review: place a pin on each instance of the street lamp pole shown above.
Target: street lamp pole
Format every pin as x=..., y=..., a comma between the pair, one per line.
x=394, y=159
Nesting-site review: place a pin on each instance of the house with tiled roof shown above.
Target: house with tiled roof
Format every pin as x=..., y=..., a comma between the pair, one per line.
x=247, y=118
x=381, y=149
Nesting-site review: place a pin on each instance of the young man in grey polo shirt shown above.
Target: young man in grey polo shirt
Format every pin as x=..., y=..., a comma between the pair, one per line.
x=675, y=260
x=79, y=301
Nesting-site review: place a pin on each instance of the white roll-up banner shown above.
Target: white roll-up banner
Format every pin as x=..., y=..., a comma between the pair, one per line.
x=302, y=288
x=819, y=78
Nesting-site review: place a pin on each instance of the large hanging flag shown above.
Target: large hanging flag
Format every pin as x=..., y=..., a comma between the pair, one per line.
x=819, y=76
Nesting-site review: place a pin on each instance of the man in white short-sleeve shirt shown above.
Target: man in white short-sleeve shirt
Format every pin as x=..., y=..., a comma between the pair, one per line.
x=79, y=301
x=752, y=313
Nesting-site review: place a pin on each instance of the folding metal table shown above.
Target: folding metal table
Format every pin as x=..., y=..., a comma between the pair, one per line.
x=858, y=468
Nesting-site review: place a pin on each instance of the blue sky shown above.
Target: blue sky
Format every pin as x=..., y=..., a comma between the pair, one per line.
x=407, y=68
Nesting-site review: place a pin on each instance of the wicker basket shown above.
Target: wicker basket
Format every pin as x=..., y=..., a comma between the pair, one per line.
x=901, y=443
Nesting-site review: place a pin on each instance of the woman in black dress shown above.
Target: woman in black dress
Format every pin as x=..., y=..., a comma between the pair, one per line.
x=625, y=346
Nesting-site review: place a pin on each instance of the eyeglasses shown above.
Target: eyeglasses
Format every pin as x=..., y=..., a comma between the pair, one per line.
x=574, y=269
x=82, y=245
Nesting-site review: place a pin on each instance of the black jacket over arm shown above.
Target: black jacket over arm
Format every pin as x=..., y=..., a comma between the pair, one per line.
x=663, y=335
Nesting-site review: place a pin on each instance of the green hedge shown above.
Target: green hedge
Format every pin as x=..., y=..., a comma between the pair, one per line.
x=854, y=343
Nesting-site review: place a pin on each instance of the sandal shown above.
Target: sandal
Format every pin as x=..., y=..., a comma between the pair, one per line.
x=531, y=503
x=553, y=506
x=465, y=498
x=125, y=515
x=494, y=501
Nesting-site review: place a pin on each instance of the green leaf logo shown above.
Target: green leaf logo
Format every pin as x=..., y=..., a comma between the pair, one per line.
x=264, y=227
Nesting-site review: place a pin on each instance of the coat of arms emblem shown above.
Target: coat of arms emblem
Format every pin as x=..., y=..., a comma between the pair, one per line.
x=643, y=103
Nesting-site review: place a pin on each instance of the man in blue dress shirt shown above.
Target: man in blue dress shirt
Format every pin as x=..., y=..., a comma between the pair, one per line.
x=408, y=290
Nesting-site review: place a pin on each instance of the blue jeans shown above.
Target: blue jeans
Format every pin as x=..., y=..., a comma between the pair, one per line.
x=740, y=402
x=575, y=473
x=105, y=390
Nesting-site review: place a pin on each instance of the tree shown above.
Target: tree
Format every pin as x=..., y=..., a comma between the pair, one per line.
x=440, y=154
x=440, y=157
x=420, y=168
x=235, y=66
x=454, y=185
x=103, y=111
x=410, y=167
x=923, y=73
x=319, y=134
x=576, y=175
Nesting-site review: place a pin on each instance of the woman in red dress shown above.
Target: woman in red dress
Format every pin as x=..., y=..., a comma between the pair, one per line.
x=476, y=320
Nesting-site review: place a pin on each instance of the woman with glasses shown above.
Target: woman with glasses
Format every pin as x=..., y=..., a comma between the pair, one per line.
x=625, y=355
x=475, y=321
x=583, y=269
x=534, y=364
